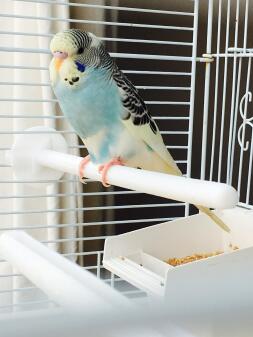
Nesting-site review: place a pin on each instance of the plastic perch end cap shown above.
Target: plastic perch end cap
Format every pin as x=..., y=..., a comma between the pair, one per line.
x=26, y=149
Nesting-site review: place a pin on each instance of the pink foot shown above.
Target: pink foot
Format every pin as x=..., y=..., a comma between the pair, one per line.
x=103, y=169
x=82, y=165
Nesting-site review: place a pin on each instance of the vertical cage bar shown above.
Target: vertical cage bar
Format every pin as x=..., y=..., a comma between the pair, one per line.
x=207, y=90
x=235, y=118
x=112, y=280
x=192, y=95
x=224, y=91
x=98, y=264
x=217, y=70
x=232, y=112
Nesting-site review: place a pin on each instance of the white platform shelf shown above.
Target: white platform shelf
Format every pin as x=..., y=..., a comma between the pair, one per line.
x=138, y=257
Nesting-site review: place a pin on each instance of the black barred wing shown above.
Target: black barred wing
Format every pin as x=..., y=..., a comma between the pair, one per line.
x=135, y=108
x=138, y=121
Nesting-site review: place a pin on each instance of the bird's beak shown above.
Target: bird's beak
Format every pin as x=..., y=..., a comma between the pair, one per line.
x=59, y=58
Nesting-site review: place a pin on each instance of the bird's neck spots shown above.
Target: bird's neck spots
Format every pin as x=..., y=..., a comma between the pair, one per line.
x=69, y=71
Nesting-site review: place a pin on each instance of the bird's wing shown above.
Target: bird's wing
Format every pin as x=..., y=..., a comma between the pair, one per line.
x=138, y=121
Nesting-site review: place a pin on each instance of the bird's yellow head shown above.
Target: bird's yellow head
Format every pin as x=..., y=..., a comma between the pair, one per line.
x=73, y=43
x=73, y=50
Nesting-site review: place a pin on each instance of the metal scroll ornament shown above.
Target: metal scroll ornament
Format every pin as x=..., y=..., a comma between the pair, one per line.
x=247, y=97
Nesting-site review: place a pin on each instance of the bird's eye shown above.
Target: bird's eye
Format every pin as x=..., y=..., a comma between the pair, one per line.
x=80, y=50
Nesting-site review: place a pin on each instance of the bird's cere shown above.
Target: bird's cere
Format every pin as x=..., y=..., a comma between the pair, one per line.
x=60, y=55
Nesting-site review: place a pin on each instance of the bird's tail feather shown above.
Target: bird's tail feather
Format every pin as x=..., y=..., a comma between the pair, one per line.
x=214, y=217
x=206, y=210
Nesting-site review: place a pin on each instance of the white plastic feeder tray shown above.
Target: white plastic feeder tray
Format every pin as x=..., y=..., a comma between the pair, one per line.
x=138, y=257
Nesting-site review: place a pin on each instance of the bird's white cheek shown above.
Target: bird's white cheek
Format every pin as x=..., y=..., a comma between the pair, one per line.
x=70, y=75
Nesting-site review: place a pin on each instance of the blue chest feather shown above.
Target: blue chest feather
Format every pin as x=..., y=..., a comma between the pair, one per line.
x=92, y=105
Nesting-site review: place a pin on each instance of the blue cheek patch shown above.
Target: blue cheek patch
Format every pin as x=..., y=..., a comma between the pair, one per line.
x=80, y=66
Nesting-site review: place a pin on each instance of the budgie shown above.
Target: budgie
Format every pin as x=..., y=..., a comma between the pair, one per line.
x=106, y=110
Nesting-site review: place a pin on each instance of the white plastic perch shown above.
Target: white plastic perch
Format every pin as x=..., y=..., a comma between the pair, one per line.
x=62, y=281
x=81, y=295
x=41, y=154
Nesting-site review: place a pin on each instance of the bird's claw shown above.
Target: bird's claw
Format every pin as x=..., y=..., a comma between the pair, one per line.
x=82, y=165
x=103, y=169
x=83, y=180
